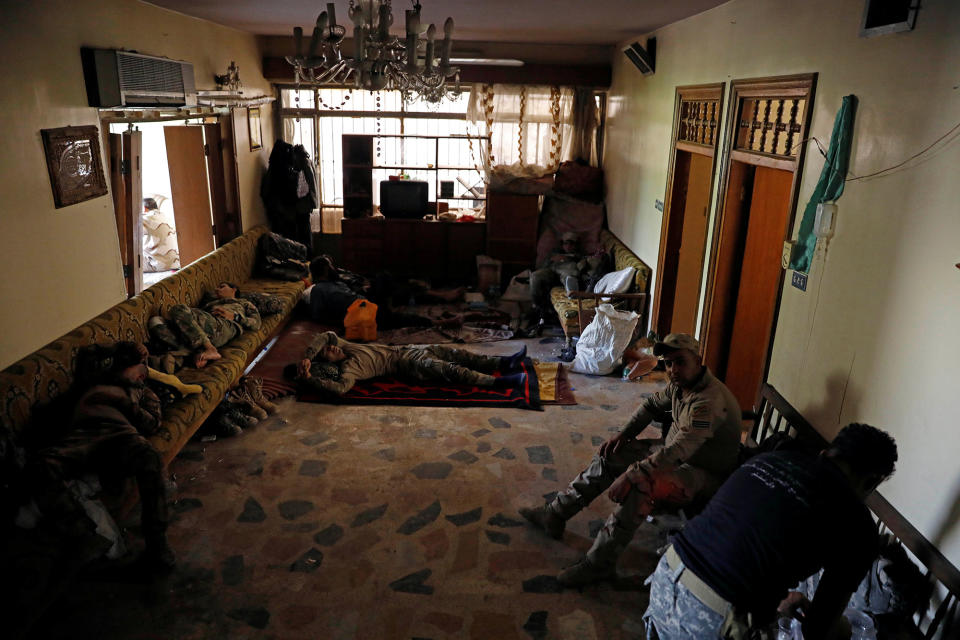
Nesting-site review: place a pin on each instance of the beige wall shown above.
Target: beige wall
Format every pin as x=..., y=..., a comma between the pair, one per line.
x=876, y=336
x=61, y=267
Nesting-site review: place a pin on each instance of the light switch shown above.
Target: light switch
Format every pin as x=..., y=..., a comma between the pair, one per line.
x=787, y=252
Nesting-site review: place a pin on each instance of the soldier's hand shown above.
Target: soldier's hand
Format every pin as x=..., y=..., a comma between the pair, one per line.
x=613, y=445
x=303, y=368
x=220, y=311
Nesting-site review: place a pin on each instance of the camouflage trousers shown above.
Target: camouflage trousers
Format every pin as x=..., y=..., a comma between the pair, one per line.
x=668, y=487
x=197, y=326
x=437, y=362
x=674, y=613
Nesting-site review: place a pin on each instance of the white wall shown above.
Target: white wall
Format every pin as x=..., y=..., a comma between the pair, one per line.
x=876, y=336
x=61, y=267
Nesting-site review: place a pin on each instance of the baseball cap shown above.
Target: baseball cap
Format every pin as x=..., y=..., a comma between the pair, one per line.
x=676, y=341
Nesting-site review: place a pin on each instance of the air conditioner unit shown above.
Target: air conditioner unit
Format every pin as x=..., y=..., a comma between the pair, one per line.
x=644, y=59
x=123, y=79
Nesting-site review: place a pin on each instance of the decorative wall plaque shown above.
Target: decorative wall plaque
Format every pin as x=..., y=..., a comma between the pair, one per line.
x=74, y=164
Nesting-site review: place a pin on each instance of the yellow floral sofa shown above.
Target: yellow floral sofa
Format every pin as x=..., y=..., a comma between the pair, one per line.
x=569, y=311
x=43, y=375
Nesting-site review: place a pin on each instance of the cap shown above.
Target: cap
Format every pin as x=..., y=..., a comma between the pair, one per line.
x=676, y=341
x=569, y=236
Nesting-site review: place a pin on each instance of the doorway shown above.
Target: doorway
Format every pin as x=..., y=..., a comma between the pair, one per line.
x=184, y=209
x=689, y=188
x=767, y=124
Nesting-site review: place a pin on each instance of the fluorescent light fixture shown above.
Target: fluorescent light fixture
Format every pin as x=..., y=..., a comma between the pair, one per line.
x=493, y=62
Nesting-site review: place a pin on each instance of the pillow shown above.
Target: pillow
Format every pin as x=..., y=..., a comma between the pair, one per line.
x=266, y=303
x=615, y=281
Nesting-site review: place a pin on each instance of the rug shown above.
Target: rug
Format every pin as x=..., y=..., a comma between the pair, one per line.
x=554, y=384
x=456, y=323
x=394, y=391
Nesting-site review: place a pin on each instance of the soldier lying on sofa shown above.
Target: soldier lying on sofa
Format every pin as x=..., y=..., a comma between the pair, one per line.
x=216, y=323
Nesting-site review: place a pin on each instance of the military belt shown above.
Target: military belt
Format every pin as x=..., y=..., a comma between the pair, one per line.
x=700, y=589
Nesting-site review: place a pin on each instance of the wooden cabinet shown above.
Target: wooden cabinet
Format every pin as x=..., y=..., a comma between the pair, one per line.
x=512, y=223
x=443, y=252
x=357, y=176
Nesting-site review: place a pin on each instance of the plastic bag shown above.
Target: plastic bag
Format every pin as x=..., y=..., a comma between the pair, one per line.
x=361, y=321
x=604, y=340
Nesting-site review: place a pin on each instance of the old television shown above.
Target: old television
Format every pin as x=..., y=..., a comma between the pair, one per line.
x=404, y=198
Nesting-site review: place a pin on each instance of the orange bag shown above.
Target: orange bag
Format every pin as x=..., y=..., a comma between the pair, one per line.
x=361, y=321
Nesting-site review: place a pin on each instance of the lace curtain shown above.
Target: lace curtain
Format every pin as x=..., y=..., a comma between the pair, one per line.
x=530, y=126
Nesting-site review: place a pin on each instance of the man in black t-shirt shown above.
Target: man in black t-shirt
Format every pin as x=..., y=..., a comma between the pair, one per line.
x=778, y=519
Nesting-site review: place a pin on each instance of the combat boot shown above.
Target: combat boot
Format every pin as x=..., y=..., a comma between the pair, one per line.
x=254, y=387
x=244, y=420
x=543, y=517
x=241, y=400
x=226, y=426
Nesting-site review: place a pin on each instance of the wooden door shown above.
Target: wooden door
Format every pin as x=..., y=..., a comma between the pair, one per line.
x=125, y=180
x=215, y=169
x=693, y=239
x=759, y=283
x=189, y=186
x=232, y=225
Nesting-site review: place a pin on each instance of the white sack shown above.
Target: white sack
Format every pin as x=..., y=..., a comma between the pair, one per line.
x=615, y=281
x=604, y=340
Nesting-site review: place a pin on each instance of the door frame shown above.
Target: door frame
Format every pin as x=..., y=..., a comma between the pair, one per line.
x=801, y=86
x=715, y=91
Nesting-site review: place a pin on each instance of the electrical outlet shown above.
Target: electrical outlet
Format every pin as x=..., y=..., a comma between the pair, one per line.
x=787, y=252
x=659, y=205
x=799, y=280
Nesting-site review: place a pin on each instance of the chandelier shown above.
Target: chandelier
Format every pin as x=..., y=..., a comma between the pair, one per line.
x=380, y=61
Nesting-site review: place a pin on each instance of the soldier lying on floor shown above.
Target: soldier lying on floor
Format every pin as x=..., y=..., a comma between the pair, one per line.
x=358, y=362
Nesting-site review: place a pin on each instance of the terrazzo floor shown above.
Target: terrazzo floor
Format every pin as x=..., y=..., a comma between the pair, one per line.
x=381, y=522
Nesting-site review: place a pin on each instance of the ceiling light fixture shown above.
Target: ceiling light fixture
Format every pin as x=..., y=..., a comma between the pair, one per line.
x=380, y=60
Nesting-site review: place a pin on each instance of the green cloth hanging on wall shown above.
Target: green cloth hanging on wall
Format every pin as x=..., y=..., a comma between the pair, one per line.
x=829, y=186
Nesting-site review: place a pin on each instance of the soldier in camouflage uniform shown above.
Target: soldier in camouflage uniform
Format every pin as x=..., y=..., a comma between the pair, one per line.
x=433, y=363
x=700, y=449
x=217, y=323
x=108, y=434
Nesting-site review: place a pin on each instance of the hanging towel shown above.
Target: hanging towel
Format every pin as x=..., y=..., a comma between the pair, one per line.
x=829, y=186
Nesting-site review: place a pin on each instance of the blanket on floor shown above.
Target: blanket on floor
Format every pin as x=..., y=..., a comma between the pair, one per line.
x=391, y=390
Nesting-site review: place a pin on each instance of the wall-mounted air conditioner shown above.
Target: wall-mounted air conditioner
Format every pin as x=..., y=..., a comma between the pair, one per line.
x=123, y=79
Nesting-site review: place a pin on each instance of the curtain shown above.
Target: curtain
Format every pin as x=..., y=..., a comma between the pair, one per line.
x=530, y=126
x=584, y=127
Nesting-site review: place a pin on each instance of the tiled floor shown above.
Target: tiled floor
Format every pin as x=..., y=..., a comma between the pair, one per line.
x=380, y=522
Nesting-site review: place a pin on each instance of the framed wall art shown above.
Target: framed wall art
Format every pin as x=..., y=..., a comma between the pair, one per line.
x=253, y=121
x=74, y=164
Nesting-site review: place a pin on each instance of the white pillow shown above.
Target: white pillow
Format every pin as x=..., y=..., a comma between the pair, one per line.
x=615, y=281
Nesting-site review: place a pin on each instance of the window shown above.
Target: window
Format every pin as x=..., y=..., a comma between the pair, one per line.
x=318, y=118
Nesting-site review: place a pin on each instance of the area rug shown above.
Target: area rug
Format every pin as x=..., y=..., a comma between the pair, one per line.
x=428, y=394
x=554, y=383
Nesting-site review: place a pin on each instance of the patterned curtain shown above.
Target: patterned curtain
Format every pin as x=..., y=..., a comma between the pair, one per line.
x=530, y=126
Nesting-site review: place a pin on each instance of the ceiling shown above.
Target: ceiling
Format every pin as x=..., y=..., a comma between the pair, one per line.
x=538, y=21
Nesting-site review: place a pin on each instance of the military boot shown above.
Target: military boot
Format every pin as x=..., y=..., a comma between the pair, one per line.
x=585, y=572
x=254, y=388
x=241, y=400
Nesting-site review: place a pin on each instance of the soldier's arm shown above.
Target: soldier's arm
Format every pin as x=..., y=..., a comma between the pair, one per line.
x=693, y=429
x=319, y=342
x=251, y=316
x=652, y=408
x=146, y=411
x=339, y=387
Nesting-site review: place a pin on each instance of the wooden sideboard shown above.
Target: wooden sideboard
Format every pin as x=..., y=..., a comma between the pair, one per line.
x=512, y=225
x=443, y=252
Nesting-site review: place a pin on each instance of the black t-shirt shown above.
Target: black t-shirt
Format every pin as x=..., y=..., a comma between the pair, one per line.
x=778, y=519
